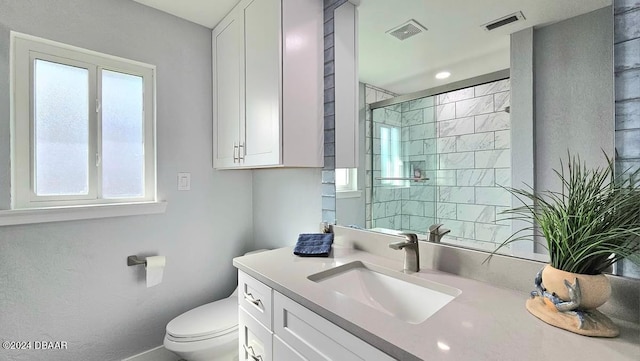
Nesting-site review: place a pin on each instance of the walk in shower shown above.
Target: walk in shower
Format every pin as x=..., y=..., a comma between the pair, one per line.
x=442, y=158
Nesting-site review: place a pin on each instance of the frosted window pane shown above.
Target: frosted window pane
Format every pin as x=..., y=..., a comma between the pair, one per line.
x=61, y=129
x=391, y=165
x=122, y=135
x=342, y=177
x=396, y=161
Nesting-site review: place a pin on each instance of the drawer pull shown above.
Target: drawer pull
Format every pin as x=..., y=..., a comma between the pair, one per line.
x=252, y=354
x=236, y=148
x=249, y=297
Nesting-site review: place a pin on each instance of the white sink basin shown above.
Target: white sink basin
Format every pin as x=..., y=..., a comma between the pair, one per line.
x=408, y=298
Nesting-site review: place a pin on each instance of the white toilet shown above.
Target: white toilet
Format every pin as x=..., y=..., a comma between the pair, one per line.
x=208, y=332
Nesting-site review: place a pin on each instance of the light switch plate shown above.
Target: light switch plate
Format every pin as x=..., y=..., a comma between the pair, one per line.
x=184, y=181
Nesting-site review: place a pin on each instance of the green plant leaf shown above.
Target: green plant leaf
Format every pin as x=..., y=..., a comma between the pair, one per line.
x=593, y=222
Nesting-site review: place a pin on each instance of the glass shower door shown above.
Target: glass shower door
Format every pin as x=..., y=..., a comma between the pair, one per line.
x=403, y=164
x=444, y=159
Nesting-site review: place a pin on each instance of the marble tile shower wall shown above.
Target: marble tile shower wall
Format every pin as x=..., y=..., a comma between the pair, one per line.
x=461, y=140
x=473, y=147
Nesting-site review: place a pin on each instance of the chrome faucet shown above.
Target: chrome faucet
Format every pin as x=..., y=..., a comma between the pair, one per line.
x=436, y=233
x=411, y=251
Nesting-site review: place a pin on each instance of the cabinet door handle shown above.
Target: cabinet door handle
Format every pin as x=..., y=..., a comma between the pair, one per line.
x=236, y=158
x=241, y=152
x=252, y=354
x=249, y=297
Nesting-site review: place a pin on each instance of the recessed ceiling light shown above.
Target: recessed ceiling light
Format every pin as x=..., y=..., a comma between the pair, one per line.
x=443, y=75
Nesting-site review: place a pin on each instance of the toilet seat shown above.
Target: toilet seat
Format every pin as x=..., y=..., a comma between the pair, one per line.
x=208, y=321
x=232, y=330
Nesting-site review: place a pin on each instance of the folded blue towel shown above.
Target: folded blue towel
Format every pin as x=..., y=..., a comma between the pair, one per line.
x=313, y=245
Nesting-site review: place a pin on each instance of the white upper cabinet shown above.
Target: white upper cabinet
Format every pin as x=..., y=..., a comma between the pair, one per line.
x=262, y=83
x=268, y=85
x=227, y=60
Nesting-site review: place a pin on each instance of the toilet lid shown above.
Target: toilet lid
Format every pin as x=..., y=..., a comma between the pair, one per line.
x=209, y=319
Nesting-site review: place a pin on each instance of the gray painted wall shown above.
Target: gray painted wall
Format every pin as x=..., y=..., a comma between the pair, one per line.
x=573, y=89
x=286, y=202
x=522, y=128
x=68, y=281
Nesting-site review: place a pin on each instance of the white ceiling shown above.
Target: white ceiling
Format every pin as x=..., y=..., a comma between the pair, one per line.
x=455, y=40
x=207, y=13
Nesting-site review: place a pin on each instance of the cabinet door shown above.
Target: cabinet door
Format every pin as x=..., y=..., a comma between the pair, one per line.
x=227, y=94
x=282, y=351
x=317, y=339
x=263, y=79
x=255, y=342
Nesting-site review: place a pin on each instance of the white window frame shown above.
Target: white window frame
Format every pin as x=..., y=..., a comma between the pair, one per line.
x=351, y=175
x=24, y=50
x=350, y=188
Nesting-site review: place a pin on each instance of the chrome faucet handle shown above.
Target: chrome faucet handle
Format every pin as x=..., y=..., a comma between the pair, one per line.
x=411, y=251
x=436, y=232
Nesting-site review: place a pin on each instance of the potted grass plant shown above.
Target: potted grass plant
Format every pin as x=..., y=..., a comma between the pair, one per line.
x=590, y=224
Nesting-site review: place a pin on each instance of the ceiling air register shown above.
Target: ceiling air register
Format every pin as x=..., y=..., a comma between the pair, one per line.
x=407, y=30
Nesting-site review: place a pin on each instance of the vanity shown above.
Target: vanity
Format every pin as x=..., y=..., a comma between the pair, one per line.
x=294, y=308
x=275, y=327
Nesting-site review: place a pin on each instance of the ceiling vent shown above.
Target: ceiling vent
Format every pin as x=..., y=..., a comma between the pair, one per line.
x=407, y=30
x=505, y=20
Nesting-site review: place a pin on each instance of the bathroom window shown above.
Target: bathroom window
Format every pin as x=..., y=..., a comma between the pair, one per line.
x=83, y=127
x=391, y=165
x=346, y=179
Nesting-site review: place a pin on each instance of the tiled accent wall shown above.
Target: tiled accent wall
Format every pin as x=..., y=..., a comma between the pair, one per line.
x=627, y=73
x=372, y=94
x=328, y=173
x=461, y=140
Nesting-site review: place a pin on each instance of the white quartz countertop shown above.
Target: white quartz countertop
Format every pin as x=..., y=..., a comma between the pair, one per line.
x=485, y=322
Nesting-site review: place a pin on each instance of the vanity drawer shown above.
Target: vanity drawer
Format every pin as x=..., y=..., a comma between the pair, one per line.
x=255, y=341
x=255, y=297
x=316, y=338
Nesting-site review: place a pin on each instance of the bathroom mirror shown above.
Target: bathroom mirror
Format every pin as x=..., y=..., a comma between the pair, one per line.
x=440, y=150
